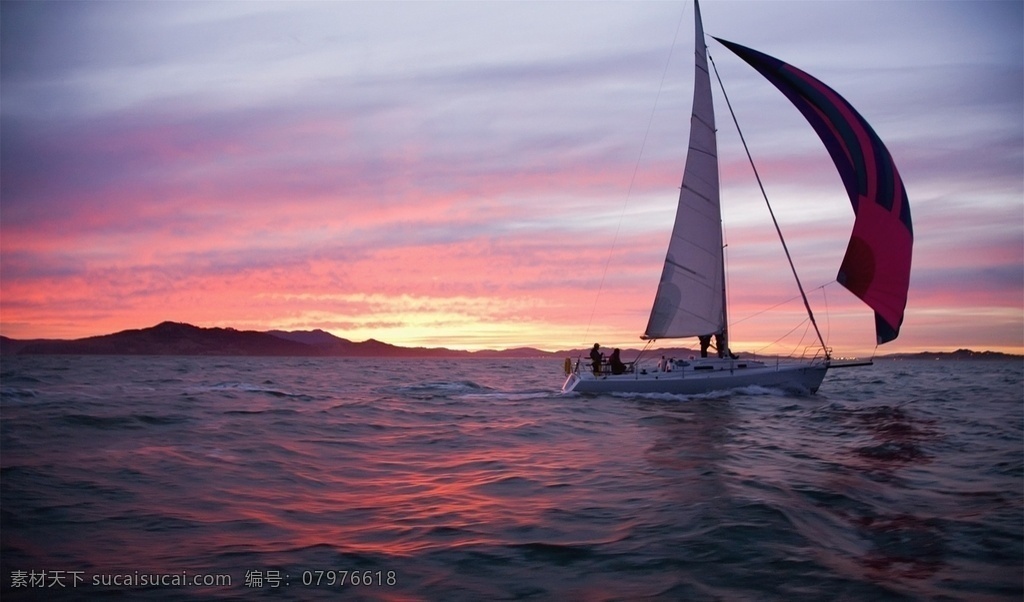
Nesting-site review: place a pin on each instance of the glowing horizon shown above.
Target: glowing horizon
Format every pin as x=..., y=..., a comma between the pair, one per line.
x=462, y=175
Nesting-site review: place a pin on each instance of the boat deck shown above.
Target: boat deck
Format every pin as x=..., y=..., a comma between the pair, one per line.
x=700, y=376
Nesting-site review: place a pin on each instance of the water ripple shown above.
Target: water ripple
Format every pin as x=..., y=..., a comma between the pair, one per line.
x=903, y=481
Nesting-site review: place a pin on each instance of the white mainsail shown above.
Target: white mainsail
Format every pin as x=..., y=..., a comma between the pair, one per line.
x=691, y=295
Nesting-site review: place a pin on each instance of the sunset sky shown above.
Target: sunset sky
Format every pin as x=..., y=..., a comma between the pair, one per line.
x=488, y=175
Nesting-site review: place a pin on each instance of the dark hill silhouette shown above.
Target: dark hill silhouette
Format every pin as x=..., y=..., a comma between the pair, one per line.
x=175, y=338
x=959, y=354
x=310, y=337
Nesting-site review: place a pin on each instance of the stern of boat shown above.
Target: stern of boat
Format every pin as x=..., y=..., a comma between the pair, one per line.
x=572, y=375
x=570, y=383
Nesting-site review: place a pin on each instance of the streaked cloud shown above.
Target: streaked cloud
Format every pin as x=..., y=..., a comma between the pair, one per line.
x=483, y=174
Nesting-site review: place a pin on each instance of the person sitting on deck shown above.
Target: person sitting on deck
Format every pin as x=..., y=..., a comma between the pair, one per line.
x=616, y=362
x=596, y=357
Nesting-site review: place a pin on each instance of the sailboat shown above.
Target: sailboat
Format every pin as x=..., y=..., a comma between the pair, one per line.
x=691, y=296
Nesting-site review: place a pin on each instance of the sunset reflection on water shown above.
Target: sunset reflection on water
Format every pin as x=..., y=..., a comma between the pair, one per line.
x=469, y=490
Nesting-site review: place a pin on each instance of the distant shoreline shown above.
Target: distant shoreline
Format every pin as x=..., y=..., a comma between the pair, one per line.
x=180, y=339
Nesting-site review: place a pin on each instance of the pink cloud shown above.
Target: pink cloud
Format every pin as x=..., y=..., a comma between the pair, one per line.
x=463, y=203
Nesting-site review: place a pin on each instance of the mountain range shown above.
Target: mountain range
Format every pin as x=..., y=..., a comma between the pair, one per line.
x=175, y=338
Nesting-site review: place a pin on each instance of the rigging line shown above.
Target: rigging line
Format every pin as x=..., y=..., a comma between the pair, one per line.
x=647, y=347
x=828, y=314
x=767, y=309
x=800, y=343
x=725, y=279
x=781, y=303
x=632, y=180
x=778, y=229
x=791, y=331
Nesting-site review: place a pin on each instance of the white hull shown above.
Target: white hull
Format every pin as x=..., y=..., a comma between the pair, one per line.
x=703, y=376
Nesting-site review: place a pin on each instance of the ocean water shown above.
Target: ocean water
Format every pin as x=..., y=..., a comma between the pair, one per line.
x=156, y=478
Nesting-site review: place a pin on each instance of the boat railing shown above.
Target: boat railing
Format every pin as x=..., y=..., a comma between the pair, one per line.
x=585, y=365
x=812, y=354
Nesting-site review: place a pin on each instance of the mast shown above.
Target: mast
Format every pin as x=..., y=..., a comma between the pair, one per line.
x=723, y=343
